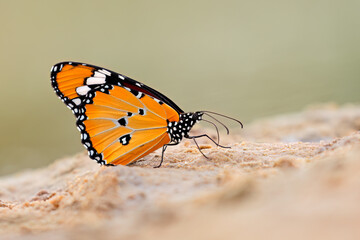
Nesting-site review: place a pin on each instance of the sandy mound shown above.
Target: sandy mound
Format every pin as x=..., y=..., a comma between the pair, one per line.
x=292, y=177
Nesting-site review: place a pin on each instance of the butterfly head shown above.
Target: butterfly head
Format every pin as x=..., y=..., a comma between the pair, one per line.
x=190, y=118
x=197, y=116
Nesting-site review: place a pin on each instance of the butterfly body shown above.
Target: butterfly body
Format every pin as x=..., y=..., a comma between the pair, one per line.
x=120, y=120
x=180, y=129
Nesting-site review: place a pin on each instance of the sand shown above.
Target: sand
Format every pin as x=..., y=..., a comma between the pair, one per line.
x=294, y=176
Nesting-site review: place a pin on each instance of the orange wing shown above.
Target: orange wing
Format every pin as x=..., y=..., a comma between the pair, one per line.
x=72, y=81
x=120, y=120
x=69, y=82
x=119, y=128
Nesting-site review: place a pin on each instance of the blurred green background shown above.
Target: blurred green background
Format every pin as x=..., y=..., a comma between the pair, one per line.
x=248, y=59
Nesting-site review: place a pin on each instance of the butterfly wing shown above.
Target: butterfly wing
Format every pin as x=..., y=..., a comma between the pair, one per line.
x=120, y=120
x=72, y=80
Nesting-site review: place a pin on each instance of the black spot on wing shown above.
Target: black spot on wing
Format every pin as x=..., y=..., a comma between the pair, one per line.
x=122, y=121
x=124, y=140
x=134, y=92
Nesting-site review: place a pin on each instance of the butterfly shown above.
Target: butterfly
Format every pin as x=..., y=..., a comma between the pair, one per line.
x=122, y=120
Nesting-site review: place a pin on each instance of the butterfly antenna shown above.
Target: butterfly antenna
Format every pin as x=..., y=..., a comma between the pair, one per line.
x=224, y=117
x=227, y=129
x=217, y=130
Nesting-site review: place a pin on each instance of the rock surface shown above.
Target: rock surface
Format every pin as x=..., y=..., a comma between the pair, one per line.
x=294, y=176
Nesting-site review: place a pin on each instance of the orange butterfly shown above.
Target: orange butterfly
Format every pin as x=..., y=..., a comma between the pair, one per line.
x=122, y=120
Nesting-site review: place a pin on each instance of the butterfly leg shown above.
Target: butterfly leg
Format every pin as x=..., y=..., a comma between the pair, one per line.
x=162, y=152
x=200, y=148
x=162, y=156
x=205, y=135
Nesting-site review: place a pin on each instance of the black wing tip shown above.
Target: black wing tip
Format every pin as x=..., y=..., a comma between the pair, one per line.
x=57, y=66
x=69, y=62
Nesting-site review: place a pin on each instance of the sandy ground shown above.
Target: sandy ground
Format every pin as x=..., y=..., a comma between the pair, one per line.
x=294, y=176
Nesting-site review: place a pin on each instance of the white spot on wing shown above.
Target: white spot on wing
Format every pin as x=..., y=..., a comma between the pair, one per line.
x=83, y=90
x=121, y=77
x=95, y=80
x=106, y=72
x=77, y=101
x=99, y=74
